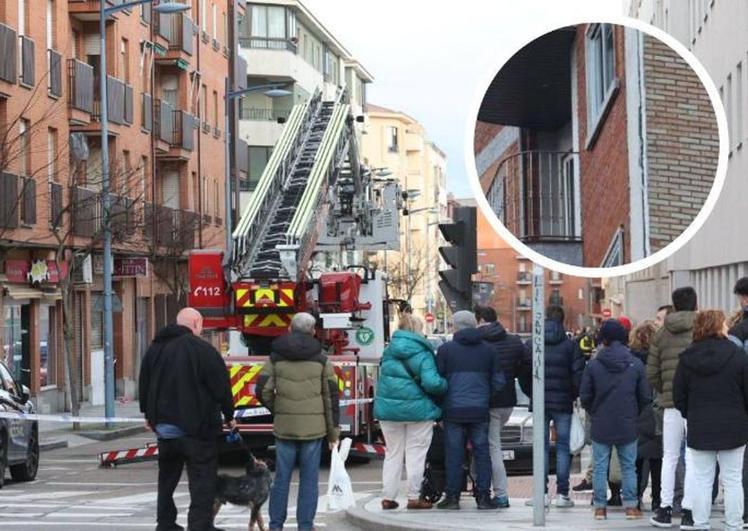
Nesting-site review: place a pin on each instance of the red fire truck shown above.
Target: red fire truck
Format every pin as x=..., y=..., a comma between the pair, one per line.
x=313, y=204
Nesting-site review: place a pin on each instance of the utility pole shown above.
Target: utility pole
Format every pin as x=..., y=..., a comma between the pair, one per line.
x=107, y=229
x=538, y=396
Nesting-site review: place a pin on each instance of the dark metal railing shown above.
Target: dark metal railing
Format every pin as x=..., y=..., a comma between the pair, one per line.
x=533, y=193
x=256, y=113
x=81, y=88
x=184, y=130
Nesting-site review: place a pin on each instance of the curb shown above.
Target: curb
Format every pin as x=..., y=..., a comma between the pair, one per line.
x=110, y=435
x=367, y=521
x=53, y=444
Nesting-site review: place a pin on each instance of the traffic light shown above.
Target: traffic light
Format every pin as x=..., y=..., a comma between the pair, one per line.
x=461, y=256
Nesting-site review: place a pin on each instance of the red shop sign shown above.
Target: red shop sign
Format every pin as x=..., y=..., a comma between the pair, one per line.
x=17, y=271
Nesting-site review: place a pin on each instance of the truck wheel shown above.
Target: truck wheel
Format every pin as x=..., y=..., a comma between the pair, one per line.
x=27, y=471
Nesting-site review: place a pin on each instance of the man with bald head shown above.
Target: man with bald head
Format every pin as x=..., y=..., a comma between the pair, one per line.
x=184, y=390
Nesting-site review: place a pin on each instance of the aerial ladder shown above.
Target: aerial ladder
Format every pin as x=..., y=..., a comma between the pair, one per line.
x=314, y=190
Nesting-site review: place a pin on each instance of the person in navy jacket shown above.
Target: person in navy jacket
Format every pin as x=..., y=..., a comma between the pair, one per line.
x=473, y=376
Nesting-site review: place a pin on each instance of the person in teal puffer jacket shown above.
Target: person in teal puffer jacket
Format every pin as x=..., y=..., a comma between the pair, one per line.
x=405, y=410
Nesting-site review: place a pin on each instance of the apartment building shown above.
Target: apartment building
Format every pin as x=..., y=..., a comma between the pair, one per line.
x=605, y=145
x=397, y=142
x=711, y=262
x=504, y=282
x=284, y=44
x=166, y=84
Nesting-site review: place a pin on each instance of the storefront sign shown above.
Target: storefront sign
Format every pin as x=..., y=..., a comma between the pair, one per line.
x=136, y=266
x=34, y=272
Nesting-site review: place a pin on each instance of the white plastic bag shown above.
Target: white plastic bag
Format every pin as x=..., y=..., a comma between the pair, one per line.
x=576, y=437
x=339, y=488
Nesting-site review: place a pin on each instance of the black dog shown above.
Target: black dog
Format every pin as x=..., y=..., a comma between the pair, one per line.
x=250, y=490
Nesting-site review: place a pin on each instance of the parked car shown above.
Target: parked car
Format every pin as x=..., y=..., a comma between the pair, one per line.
x=516, y=439
x=19, y=438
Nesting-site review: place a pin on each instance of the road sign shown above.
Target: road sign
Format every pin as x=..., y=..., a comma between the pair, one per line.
x=429, y=317
x=607, y=313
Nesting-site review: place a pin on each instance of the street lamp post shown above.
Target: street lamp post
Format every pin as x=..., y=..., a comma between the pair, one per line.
x=104, y=12
x=272, y=90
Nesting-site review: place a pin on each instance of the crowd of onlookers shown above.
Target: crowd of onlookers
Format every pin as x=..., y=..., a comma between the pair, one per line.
x=666, y=404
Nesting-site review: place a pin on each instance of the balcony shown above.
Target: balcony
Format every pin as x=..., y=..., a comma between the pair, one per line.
x=524, y=304
x=80, y=92
x=28, y=76
x=169, y=227
x=524, y=277
x=178, y=31
x=120, y=106
x=268, y=43
x=263, y=114
x=556, y=278
x=175, y=129
x=54, y=80
x=534, y=195
x=87, y=213
x=9, y=53
x=88, y=10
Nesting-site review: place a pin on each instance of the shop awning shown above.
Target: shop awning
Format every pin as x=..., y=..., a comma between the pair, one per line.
x=21, y=292
x=54, y=295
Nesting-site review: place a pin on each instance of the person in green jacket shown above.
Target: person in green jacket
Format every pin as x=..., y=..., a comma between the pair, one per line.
x=405, y=410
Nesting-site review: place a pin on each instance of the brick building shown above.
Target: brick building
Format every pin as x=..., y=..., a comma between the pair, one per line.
x=166, y=83
x=504, y=281
x=603, y=147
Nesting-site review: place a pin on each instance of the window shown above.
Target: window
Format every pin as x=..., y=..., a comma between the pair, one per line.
x=204, y=106
x=195, y=192
x=47, y=343
x=268, y=22
x=124, y=180
x=217, y=203
x=7, y=381
x=258, y=159
x=97, y=321
x=555, y=275
x=50, y=24
x=124, y=52
x=215, y=109
x=51, y=155
x=580, y=294
x=600, y=68
x=392, y=145
x=203, y=15
x=739, y=104
x=214, y=13
x=24, y=147
x=489, y=269
x=22, y=16
x=144, y=178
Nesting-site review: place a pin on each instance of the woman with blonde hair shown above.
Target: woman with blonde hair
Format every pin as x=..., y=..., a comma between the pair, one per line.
x=405, y=410
x=710, y=389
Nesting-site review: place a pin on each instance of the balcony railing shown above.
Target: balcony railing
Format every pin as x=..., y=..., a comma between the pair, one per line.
x=119, y=101
x=81, y=88
x=256, y=113
x=85, y=205
x=55, y=73
x=524, y=304
x=184, y=130
x=268, y=43
x=170, y=227
x=524, y=277
x=9, y=53
x=177, y=29
x=534, y=194
x=28, y=76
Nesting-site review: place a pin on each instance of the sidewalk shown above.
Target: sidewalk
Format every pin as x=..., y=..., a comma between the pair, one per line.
x=54, y=435
x=368, y=515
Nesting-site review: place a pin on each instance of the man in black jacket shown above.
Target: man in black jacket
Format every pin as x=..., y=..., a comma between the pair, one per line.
x=564, y=366
x=514, y=360
x=184, y=389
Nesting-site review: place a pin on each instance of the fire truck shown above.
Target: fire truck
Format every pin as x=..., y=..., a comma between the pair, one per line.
x=315, y=202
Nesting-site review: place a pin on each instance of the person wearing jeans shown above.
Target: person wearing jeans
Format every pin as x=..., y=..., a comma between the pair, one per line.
x=710, y=389
x=514, y=360
x=287, y=453
x=406, y=412
x=298, y=385
x=665, y=349
x=614, y=391
x=562, y=425
x=473, y=375
x=564, y=365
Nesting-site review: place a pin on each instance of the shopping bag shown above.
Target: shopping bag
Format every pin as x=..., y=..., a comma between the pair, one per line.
x=576, y=437
x=339, y=488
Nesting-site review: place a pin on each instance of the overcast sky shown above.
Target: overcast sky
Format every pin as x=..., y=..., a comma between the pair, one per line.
x=428, y=57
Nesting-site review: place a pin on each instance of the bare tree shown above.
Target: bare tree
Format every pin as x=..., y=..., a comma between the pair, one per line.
x=409, y=271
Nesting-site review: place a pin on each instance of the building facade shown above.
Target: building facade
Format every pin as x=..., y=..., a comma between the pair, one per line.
x=166, y=85
x=284, y=44
x=398, y=143
x=711, y=262
x=504, y=282
x=606, y=149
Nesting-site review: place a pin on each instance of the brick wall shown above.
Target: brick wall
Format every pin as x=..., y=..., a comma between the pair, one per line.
x=682, y=142
x=604, y=178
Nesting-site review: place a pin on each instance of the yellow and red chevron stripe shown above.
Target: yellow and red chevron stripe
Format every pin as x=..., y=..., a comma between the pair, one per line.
x=282, y=320
x=258, y=297
x=242, y=376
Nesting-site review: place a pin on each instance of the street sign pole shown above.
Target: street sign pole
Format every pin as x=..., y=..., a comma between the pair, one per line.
x=538, y=397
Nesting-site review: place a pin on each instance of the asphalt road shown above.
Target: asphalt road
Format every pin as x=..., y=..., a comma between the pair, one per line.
x=73, y=493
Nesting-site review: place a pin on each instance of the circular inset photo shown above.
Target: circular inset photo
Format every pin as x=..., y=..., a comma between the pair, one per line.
x=597, y=145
